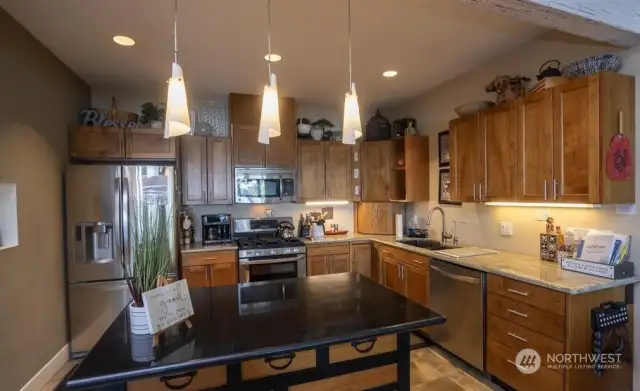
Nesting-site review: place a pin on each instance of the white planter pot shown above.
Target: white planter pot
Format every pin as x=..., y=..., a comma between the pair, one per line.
x=317, y=133
x=304, y=129
x=138, y=320
x=141, y=347
x=157, y=124
x=317, y=231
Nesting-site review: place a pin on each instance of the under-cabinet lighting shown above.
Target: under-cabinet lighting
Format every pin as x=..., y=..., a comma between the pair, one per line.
x=544, y=205
x=317, y=203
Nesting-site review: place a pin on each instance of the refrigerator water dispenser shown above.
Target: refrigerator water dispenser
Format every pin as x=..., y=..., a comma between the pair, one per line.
x=94, y=242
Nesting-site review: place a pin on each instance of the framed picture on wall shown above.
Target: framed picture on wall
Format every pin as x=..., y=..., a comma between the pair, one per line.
x=444, y=188
x=444, y=158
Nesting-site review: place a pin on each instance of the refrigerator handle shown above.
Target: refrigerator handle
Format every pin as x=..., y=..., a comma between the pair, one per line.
x=118, y=221
x=125, y=220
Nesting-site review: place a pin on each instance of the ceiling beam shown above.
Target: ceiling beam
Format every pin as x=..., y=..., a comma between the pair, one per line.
x=613, y=21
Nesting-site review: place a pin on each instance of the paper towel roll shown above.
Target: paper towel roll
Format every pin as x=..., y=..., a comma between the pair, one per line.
x=399, y=226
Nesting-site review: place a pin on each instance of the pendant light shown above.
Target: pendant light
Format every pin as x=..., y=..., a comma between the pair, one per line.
x=177, y=120
x=351, y=126
x=270, y=115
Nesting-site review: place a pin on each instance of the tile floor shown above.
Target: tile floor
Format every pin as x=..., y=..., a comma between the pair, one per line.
x=431, y=369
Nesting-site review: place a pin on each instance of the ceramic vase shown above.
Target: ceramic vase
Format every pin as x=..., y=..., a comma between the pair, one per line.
x=157, y=125
x=317, y=230
x=138, y=320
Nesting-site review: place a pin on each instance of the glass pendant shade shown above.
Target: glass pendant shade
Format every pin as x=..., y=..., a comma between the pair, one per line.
x=351, y=126
x=177, y=122
x=270, y=116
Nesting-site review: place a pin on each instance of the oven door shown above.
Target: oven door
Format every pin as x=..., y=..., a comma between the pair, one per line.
x=272, y=268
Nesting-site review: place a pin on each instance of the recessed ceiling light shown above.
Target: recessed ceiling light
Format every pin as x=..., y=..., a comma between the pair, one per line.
x=274, y=57
x=123, y=40
x=390, y=73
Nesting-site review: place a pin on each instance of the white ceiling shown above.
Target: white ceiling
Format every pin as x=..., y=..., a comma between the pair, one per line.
x=222, y=43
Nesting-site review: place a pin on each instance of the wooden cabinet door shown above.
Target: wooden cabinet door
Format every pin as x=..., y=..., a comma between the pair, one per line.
x=417, y=280
x=339, y=263
x=245, y=110
x=393, y=275
x=377, y=268
x=366, y=217
x=247, y=151
x=220, y=183
x=338, y=171
x=499, y=147
x=375, y=171
x=89, y=142
x=281, y=150
x=377, y=218
x=194, y=170
x=311, y=170
x=575, y=164
x=463, y=145
x=535, y=146
x=223, y=273
x=196, y=276
x=317, y=266
x=149, y=144
x=416, y=162
x=361, y=259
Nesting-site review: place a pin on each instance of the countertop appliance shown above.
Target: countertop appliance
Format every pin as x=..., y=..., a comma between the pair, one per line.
x=264, y=186
x=216, y=228
x=458, y=293
x=98, y=200
x=263, y=256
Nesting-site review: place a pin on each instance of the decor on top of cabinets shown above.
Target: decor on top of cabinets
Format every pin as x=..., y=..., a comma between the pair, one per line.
x=592, y=65
x=270, y=114
x=304, y=127
x=178, y=119
x=444, y=188
x=212, y=118
x=444, y=157
x=378, y=128
x=549, y=71
x=319, y=128
x=473, y=107
x=109, y=117
x=507, y=87
x=400, y=126
x=151, y=248
x=153, y=115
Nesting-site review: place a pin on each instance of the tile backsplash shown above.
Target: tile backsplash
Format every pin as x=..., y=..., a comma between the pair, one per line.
x=342, y=214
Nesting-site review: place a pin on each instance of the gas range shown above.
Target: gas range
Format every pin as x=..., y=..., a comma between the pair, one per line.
x=262, y=246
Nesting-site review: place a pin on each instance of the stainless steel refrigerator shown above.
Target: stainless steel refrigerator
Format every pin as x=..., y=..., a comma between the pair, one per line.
x=98, y=203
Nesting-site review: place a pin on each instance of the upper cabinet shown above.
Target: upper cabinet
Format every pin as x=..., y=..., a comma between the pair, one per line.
x=376, y=170
x=206, y=170
x=245, y=120
x=107, y=143
x=549, y=146
x=324, y=170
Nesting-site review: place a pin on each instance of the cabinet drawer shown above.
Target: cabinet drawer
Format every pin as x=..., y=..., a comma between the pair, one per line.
x=328, y=250
x=501, y=363
x=394, y=253
x=366, y=347
x=416, y=260
x=517, y=337
x=533, y=318
x=276, y=365
x=526, y=293
x=362, y=380
x=208, y=258
x=196, y=380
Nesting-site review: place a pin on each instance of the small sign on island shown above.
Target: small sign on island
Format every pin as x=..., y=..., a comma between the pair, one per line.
x=167, y=305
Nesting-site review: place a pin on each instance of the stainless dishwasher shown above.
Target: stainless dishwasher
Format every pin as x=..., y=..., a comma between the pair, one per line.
x=458, y=293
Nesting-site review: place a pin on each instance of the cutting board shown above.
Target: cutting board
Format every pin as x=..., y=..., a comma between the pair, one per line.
x=465, y=252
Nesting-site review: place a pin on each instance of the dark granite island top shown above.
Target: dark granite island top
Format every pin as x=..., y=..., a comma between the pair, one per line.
x=236, y=323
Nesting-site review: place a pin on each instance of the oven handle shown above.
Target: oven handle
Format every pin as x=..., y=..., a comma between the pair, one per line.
x=245, y=262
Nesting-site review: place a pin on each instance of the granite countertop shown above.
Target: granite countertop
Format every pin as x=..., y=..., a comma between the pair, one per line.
x=198, y=247
x=236, y=323
x=520, y=267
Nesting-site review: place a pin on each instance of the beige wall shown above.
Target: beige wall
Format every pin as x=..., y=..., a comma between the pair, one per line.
x=479, y=224
x=40, y=97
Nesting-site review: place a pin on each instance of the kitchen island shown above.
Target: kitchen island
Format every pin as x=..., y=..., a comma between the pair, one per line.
x=314, y=333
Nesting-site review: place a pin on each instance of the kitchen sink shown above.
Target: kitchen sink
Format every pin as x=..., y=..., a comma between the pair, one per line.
x=428, y=244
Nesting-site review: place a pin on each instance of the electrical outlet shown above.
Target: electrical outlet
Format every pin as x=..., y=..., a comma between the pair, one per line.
x=542, y=214
x=506, y=228
x=626, y=209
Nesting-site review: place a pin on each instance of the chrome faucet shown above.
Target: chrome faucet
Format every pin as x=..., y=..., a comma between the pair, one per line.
x=445, y=235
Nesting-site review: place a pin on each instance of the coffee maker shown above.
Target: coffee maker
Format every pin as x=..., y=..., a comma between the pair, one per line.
x=216, y=228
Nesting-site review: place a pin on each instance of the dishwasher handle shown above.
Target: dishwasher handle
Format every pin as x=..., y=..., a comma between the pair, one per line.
x=470, y=280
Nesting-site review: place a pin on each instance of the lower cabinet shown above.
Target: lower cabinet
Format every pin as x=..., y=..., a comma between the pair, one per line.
x=210, y=268
x=405, y=273
x=328, y=264
x=361, y=259
x=317, y=266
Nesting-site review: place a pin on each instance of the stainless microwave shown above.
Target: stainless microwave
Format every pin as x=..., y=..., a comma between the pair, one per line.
x=264, y=186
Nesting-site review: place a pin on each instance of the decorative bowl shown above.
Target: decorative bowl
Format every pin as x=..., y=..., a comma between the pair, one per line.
x=473, y=107
x=592, y=65
x=317, y=133
x=304, y=129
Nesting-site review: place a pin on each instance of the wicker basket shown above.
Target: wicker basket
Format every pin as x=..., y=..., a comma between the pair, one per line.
x=592, y=65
